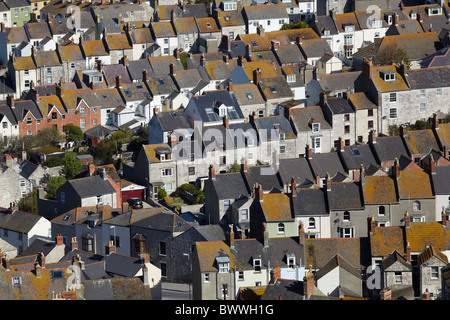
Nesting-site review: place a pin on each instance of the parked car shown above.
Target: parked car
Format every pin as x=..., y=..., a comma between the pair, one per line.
x=135, y=203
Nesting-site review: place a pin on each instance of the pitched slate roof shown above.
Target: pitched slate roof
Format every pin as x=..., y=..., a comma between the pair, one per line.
x=163, y=29
x=389, y=148
x=323, y=163
x=18, y=221
x=286, y=289
x=312, y=48
x=270, y=127
x=310, y=201
x=428, y=77
x=171, y=120
x=319, y=251
x=254, y=175
x=15, y=35
x=338, y=261
x=302, y=118
x=91, y=186
x=230, y=185
x=247, y=94
x=440, y=180
x=339, y=81
x=94, y=48
x=339, y=105
x=70, y=53
x=297, y=168
x=357, y=155
x=230, y=18
x=394, y=257
x=440, y=58
x=345, y=196
x=257, y=12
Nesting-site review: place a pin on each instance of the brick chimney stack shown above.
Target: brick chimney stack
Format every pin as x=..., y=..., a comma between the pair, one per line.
x=408, y=252
x=231, y=236
x=308, y=284
x=257, y=76
x=212, y=172
x=444, y=217
x=59, y=240
x=407, y=220
x=74, y=244
x=293, y=187
x=301, y=234
x=275, y=274
x=110, y=248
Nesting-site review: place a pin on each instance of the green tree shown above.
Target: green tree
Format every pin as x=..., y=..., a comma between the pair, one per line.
x=53, y=184
x=235, y=167
x=162, y=193
x=393, y=130
x=71, y=166
x=49, y=137
x=296, y=25
x=29, y=202
x=73, y=133
x=391, y=53
x=183, y=59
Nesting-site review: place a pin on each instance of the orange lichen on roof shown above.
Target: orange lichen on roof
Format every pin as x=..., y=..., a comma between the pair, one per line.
x=252, y=292
x=118, y=41
x=265, y=66
x=46, y=104
x=398, y=84
x=185, y=25
x=385, y=240
x=303, y=33
x=346, y=19
x=430, y=252
x=151, y=153
x=421, y=141
x=207, y=24
x=379, y=190
x=423, y=234
x=207, y=252
x=276, y=207
x=94, y=48
x=24, y=63
x=414, y=184
x=443, y=133
x=360, y=101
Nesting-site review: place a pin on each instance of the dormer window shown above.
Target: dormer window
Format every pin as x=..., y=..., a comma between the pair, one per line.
x=349, y=28
x=413, y=15
x=223, y=264
x=290, y=260
x=326, y=32
x=229, y=5
x=290, y=78
x=435, y=11
x=257, y=265
x=377, y=23
x=315, y=127
x=388, y=76
x=389, y=19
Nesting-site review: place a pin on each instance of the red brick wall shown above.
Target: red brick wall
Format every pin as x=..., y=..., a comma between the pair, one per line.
x=71, y=117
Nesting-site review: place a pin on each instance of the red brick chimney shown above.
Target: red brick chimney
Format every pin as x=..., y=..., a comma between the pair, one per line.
x=244, y=166
x=308, y=152
x=402, y=131
x=301, y=234
x=372, y=225
x=91, y=169
x=203, y=60
x=385, y=294
x=396, y=169
x=41, y=259
x=408, y=252
x=231, y=236
x=59, y=240
x=144, y=75
x=172, y=69
x=308, y=284
x=74, y=244
x=226, y=122
x=322, y=98
x=435, y=121
x=318, y=181
x=275, y=274
x=367, y=68
x=260, y=192
x=444, y=217
x=257, y=76
x=293, y=187
x=118, y=81
x=407, y=220
x=426, y=295
x=372, y=137
x=230, y=86
x=432, y=165
x=328, y=182
x=341, y=144
x=10, y=101
x=212, y=172
x=110, y=248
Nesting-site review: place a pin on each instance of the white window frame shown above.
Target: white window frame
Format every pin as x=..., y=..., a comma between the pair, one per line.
x=393, y=97
x=391, y=115
x=167, y=172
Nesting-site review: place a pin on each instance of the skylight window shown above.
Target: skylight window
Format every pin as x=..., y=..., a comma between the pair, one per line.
x=161, y=81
